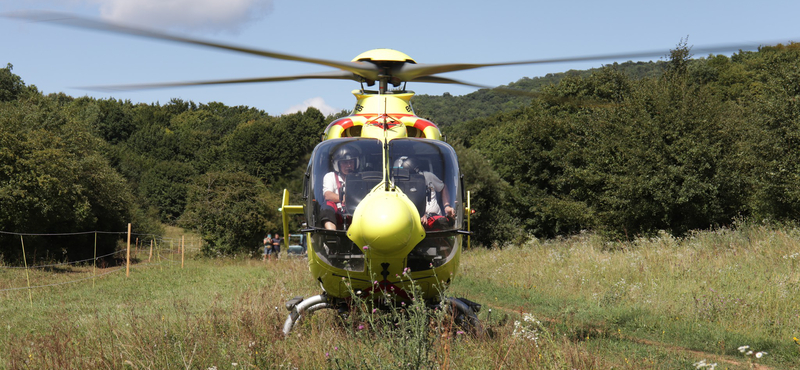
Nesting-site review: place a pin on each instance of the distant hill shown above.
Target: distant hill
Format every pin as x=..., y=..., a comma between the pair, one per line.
x=446, y=110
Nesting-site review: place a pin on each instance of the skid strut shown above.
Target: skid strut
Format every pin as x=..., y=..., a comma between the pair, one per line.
x=467, y=314
x=464, y=309
x=298, y=307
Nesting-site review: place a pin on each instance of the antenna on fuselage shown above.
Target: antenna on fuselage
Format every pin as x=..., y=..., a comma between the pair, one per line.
x=388, y=162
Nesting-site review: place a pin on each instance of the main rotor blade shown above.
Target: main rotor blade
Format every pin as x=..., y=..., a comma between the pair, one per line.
x=334, y=75
x=366, y=70
x=445, y=80
x=410, y=72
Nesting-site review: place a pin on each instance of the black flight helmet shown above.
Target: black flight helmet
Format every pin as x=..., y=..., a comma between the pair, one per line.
x=346, y=152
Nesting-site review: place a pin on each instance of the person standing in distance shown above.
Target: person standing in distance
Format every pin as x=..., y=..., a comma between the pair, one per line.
x=276, y=245
x=267, y=245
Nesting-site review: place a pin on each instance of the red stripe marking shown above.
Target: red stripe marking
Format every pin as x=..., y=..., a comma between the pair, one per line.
x=422, y=124
x=345, y=123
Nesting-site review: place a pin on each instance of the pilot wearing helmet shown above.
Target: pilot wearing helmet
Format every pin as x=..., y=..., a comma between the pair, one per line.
x=434, y=214
x=345, y=162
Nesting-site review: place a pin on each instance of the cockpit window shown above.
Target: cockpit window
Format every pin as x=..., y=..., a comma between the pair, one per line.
x=427, y=172
x=343, y=171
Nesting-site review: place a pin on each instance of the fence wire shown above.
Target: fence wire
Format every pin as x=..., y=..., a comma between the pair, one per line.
x=157, y=239
x=60, y=264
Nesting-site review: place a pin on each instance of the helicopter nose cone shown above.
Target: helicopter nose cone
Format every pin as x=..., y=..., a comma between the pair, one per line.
x=388, y=223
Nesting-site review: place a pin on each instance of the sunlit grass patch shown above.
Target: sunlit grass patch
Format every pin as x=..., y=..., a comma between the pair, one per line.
x=579, y=302
x=707, y=291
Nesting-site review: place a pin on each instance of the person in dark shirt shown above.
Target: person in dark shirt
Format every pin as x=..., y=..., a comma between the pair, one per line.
x=276, y=245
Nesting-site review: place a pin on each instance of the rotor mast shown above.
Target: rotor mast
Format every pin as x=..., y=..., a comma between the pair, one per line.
x=387, y=60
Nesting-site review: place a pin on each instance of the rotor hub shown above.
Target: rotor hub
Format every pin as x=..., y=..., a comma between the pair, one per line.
x=383, y=55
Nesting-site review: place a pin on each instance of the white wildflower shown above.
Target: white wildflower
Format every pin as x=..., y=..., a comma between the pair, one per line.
x=749, y=352
x=529, y=329
x=703, y=364
x=700, y=364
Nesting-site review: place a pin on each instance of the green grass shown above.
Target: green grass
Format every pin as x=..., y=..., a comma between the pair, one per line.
x=711, y=292
x=660, y=303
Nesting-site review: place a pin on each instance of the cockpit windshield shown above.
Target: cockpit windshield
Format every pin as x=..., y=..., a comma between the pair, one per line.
x=427, y=172
x=342, y=172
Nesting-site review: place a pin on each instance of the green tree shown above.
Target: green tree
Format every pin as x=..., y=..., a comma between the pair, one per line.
x=273, y=148
x=775, y=139
x=11, y=85
x=667, y=157
x=490, y=198
x=164, y=186
x=53, y=179
x=530, y=149
x=231, y=210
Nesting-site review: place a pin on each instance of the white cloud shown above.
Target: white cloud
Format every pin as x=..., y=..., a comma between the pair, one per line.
x=192, y=15
x=317, y=102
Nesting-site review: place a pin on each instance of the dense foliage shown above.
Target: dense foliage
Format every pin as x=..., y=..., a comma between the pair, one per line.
x=627, y=149
x=703, y=142
x=448, y=110
x=85, y=164
x=54, y=177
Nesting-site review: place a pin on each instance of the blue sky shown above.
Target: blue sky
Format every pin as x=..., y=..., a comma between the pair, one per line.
x=59, y=59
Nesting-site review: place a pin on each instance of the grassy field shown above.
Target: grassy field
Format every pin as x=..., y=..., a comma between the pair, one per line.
x=576, y=303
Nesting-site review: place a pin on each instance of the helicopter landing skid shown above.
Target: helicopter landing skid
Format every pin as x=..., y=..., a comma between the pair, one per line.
x=465, y=311
x=466, y=314
x=298, y=307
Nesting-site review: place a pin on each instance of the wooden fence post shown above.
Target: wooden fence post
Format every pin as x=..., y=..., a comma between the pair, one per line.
x=158, y=256
x=25, y=260
x=183, y=249
x=128, y=264
x=151, y=251
x=94, y=261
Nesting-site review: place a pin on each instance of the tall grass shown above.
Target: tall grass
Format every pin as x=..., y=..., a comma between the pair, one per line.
x=712, y=291
x=579, y=302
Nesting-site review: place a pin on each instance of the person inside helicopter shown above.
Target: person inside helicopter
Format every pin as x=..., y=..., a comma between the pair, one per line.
x=434, y=217
x=345, y=162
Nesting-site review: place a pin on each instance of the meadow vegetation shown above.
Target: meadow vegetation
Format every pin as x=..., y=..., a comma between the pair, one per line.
x=577, y=302
x=625, y=151
x=663, y=163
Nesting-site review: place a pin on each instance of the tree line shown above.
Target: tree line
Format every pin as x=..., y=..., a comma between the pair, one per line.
x=628, y=149
x=78, y=164
x=699, y=144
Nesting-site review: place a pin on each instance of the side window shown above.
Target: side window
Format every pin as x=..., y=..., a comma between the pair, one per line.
x=340, y=170
x=342, y=173
x=427, y=172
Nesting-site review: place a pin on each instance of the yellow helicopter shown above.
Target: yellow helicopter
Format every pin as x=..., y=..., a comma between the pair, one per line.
x=384, y=204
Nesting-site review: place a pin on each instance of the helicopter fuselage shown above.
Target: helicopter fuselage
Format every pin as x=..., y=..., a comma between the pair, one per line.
x=395, y=230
